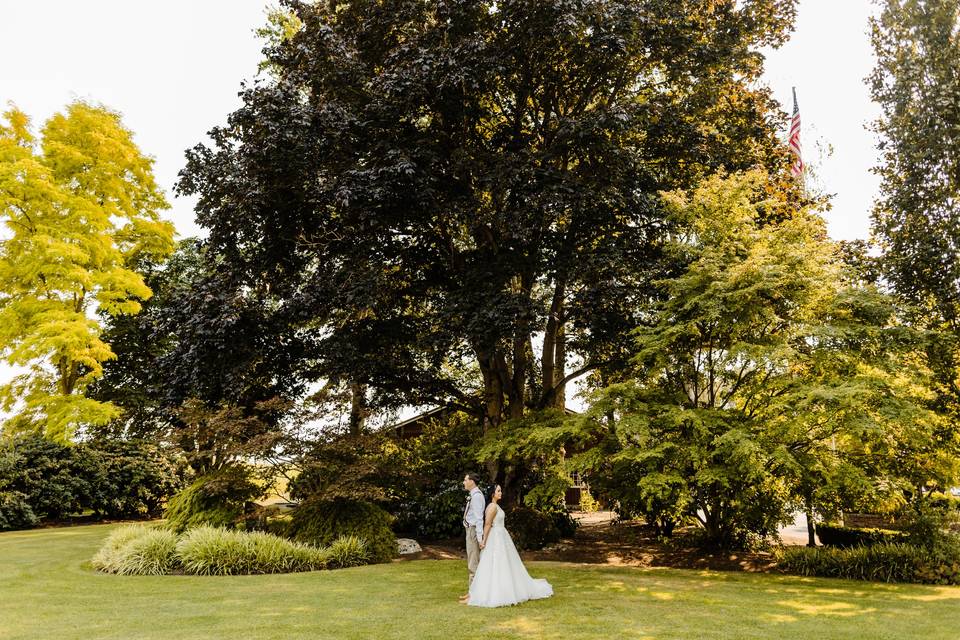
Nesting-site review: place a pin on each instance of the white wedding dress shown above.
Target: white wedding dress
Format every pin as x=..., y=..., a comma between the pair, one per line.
x=501, y=578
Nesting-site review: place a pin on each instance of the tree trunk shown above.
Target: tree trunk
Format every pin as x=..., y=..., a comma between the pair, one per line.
x=493, y=400
x=548, y=358
x=811, y=529
x=560, y=368
x=358, y=395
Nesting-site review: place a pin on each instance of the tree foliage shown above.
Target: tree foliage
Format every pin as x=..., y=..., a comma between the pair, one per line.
x=917, y=217
x=767, y=380
x=459, y=198
x=80, y=207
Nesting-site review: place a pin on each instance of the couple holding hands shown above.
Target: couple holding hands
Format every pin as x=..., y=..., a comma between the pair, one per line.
x=497, y=575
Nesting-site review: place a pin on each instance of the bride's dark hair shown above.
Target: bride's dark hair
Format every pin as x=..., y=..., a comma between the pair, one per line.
x=488, y=494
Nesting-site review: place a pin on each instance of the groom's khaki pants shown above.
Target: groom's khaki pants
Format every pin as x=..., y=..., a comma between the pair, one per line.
x=473, y=553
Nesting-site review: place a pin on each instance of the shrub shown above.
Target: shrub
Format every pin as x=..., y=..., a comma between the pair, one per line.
x=927, y=526
x=15, y=511
x=217, y=551
x=434, y=515
x=113, y=479
x=564, y=522
x=588, y=503
x=347, y=551
x=47, y=473
x=833, y=535
x=128, y=479
x=531, y=529
x=218, y=499
x=320, y=522
x=138, y=550
x=884, y=562
x=944, y=502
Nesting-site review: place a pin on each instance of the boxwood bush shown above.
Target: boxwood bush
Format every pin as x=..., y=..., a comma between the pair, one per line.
x=320, y=522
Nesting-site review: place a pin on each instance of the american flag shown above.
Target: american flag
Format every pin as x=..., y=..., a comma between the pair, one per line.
x=796, y=168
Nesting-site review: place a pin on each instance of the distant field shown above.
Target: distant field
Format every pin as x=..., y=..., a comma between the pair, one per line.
x=48, y=590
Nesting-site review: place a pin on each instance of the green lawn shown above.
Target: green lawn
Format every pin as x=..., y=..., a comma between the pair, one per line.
x=48, y=590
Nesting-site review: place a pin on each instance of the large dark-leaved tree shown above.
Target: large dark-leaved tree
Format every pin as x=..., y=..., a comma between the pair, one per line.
x=206, y=365
x=458, y=199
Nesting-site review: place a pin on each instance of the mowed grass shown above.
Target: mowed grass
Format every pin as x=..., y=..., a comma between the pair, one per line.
x=49, y=590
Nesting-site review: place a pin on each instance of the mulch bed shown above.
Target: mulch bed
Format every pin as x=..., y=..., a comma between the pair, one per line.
x=620, y=544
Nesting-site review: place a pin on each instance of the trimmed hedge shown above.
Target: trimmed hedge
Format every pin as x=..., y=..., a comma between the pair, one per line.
x=218, y=499
x=845, y=537
x=320, y=522
x=885, y=562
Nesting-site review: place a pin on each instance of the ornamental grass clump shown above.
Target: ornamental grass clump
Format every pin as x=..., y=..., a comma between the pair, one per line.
x=884, y=562
x=347, y=551
x=138, y=550
x=218, y=551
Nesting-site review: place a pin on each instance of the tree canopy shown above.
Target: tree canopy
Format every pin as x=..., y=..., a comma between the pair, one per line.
x=917, y=216
x=81, y=207
x=458, y=200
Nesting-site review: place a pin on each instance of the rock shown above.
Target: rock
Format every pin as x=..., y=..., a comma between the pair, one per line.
x=408, y=545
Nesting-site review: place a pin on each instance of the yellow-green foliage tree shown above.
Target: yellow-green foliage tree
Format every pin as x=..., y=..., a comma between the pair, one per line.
x=80, y=208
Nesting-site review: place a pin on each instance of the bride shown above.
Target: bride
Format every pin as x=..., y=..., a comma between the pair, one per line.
x=501, y=578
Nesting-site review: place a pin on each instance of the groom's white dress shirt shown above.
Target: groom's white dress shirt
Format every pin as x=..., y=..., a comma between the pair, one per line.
x=473, y=514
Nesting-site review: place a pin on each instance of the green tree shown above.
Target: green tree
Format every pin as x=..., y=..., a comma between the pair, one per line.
x=80, y=206
x=917, y=217
x=765, y=381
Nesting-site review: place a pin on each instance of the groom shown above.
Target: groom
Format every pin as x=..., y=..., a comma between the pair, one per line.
x=473, y=523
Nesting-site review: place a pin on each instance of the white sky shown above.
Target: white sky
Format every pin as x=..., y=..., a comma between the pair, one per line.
x=173, y=69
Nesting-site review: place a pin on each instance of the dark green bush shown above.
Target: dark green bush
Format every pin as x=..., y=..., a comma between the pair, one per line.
x=531, y=529
x=434, y=515
x=15, y=511
x=832, y=535
x=129, y=479
x=55, y=482
x=884, y=562
x=320, y=522
x=111, y=479
x=564, y=522
x=219, y=499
